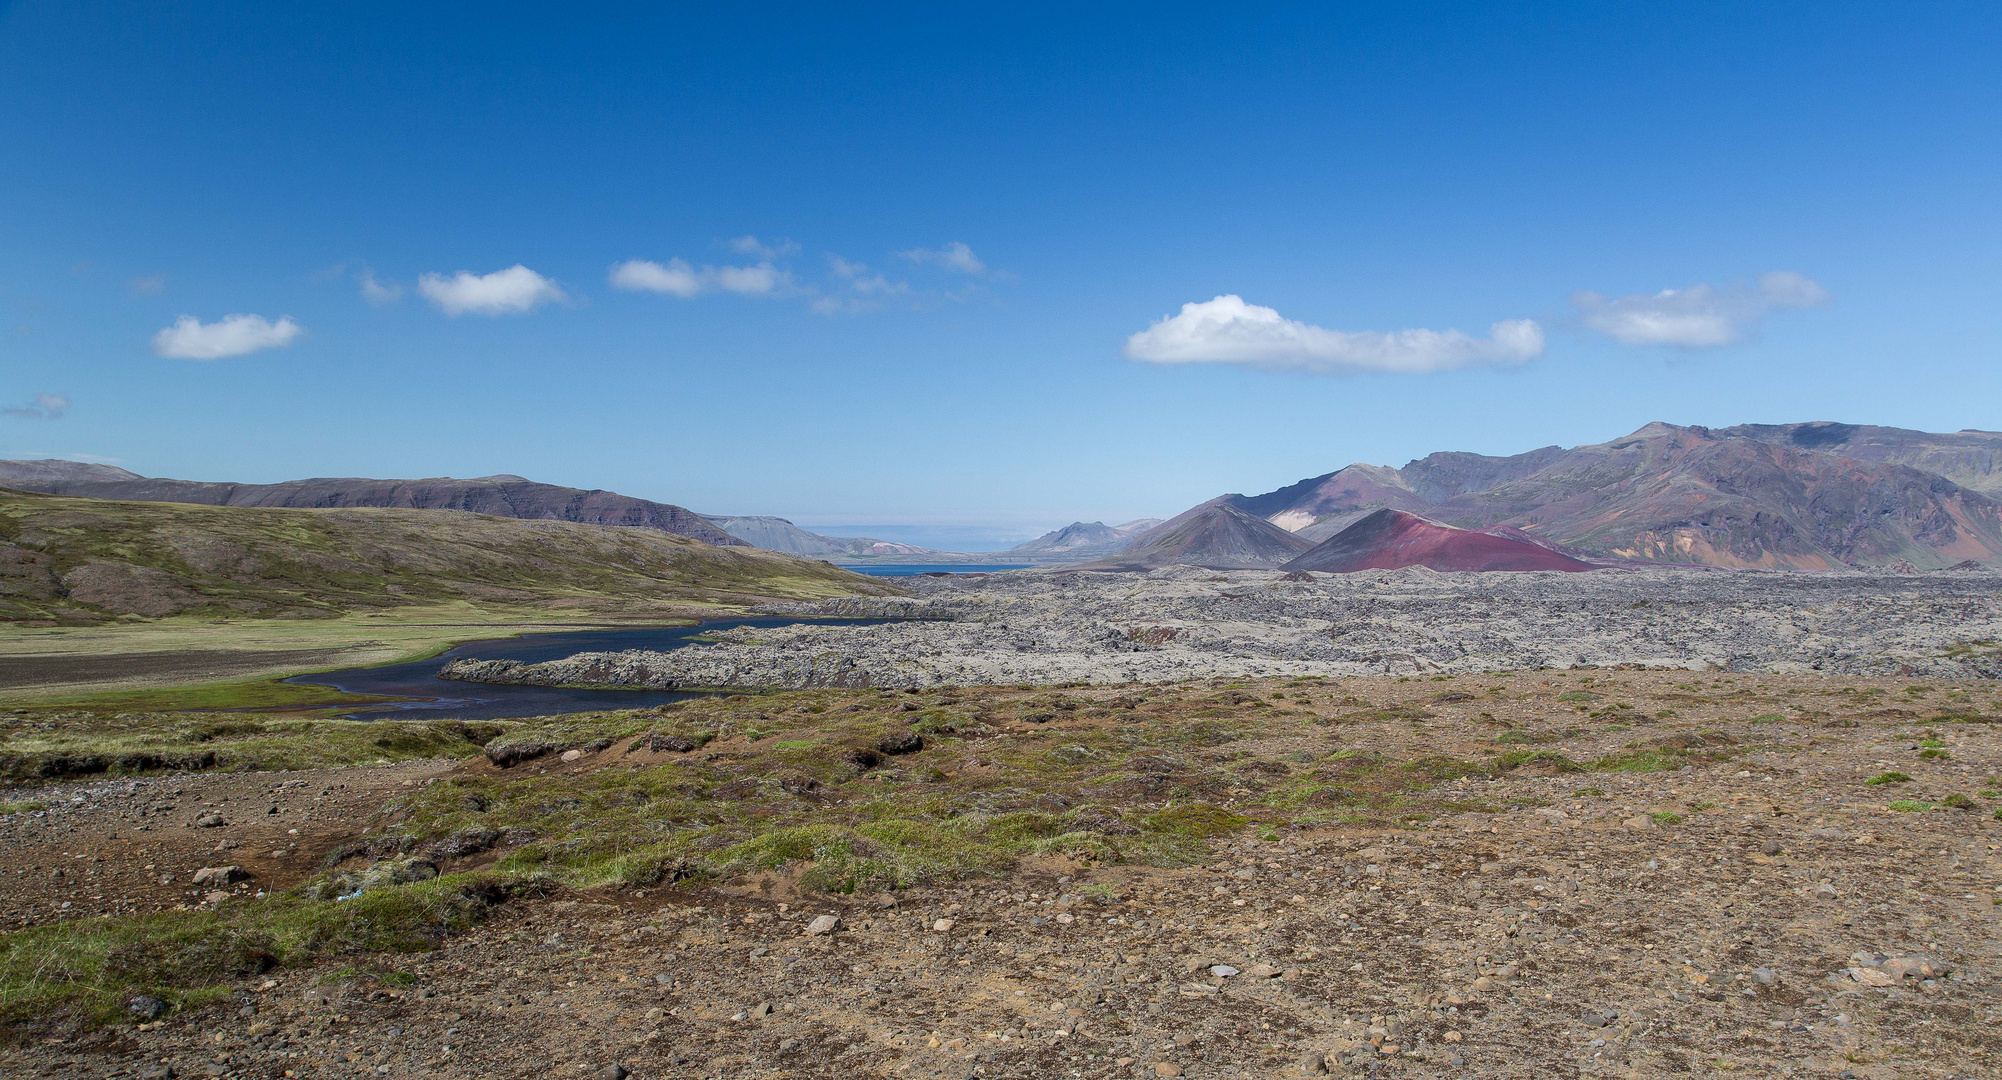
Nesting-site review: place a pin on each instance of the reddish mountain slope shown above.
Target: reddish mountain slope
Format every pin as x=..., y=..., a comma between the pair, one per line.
x=1744, y=497
x=1391, y=539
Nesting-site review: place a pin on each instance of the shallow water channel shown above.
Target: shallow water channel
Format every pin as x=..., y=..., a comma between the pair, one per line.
x=442, y=698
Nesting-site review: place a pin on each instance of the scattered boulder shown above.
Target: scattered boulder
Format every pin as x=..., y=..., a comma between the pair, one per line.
x=210, y=820
x=515, y=753
x=902, y=742
x=659, y=742
x=822, y=924
x=219, y=875
x=146, y=1008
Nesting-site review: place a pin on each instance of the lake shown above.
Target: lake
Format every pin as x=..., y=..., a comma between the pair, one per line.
x=443, y=698
x=914, y=569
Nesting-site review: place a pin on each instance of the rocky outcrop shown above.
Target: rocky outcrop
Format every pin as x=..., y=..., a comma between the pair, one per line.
x=1186, y=622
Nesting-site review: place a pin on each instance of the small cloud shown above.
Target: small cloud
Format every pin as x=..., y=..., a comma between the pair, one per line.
x=234, y=335
x=751, y=245
x=151, y=285
x=1700, y=316
x=861, y=289
x=677, y=278
x=512, y=291
x=955, y=256
x=377, y=293
x=1227, y=330
x=43, y=407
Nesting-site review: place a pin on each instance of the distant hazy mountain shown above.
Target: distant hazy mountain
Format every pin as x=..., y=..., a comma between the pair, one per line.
x=1079, y=541
x=56, y=470
x=1216, y=535
x=1392, y=539
x=1758, y=496
x=499, y=496
x=778, y=534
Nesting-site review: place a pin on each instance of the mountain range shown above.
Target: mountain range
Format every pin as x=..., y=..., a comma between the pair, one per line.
x=1806, y=496
x=503, y=495
x=1809, y=496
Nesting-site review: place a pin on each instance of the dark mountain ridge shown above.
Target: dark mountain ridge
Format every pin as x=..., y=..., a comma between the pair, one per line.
x=496, y=496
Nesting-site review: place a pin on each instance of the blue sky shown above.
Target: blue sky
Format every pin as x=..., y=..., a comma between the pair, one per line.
x=962, y=218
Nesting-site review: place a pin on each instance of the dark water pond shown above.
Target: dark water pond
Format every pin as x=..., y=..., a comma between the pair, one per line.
x=444, y=698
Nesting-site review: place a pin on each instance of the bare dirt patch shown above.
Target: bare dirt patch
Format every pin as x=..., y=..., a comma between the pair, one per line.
x=1548, y=874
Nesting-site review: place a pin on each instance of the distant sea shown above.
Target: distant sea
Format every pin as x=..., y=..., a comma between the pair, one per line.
x=913, y=569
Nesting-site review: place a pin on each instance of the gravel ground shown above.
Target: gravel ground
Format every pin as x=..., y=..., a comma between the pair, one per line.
x=1759, y=912
x=1182, y=622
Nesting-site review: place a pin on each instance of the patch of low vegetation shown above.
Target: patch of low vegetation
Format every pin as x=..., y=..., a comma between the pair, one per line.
x=1889, y=778
x=82, y=561
x=59, y=744
x=91, y=970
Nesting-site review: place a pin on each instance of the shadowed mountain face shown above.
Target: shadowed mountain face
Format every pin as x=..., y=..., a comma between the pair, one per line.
x=1216, y=535
x=1690, y=495
x=496, y=496
x=1392, y=539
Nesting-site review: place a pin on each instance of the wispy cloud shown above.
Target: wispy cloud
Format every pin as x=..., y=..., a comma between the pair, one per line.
x=151, y=285
x=1698, y=317
x=955, y=256
x=43, y=407
x=377, y=293
x=677, y=277
x=233, y=335
x=858, y=289
x=1227, y=330
x=512, y=291
x=752, y=246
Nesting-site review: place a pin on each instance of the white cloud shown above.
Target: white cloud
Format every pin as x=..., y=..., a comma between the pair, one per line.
x=233, y=335
x=751, y=245
x=955, y=256
x=43, y=407
x=1700, y=316
x=378, y=293
x=512, y=291
x=151, y=285
x=678, y=278
x=1227, y=330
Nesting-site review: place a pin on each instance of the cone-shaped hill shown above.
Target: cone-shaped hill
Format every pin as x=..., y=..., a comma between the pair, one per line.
x=1216, y=536
x=1390, y=539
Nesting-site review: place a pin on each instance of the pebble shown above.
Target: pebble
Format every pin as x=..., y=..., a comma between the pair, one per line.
x=941, y=926
x=1167, y=1068
x=1639, y=824
x=1222, y=971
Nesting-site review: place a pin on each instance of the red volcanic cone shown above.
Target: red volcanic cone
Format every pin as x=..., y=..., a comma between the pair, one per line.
x=1390, y=539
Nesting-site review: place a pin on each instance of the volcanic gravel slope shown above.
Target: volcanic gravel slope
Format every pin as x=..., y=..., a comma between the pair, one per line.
x=1762, y=911
x=1182, y=622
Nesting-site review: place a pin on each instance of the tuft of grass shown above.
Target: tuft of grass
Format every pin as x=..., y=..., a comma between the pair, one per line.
x=1888, y=778
x=1666, y=817
x=1550, y=759
x=1767, y=718
x=27, y=806
x=1958, y=802
x=87, y=969
x=1910, y=806
x=69, y=744
x=1643, y=760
